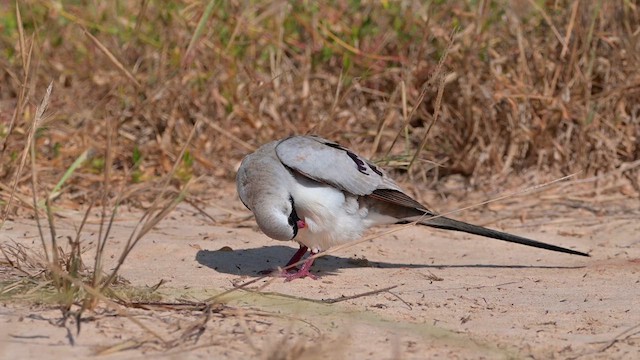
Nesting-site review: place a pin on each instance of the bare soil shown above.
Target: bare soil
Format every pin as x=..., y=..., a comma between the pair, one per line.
x=453, y=295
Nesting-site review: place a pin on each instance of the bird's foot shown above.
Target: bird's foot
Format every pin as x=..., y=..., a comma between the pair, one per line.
x=302, y=273
x=293, y=273
x=290, y=274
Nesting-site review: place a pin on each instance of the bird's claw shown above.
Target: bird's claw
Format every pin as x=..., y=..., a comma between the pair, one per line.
x=292, y=273
x=300, y=274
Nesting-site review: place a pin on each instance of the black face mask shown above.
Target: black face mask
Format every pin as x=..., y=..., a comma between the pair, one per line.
x=293, y=218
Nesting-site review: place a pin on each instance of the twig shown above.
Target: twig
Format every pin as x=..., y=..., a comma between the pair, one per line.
x=321, y=301
x=572, y=21
x=618, y=337
x=226, y=133
x=98, y=294
x=26, y=68
x=620, y=170
x=546, y=18
x=354, y=50
x=368, y=293
x=401, y=299
x=200, y=210
x=30, y=144
x=206, y=15
x=113, y=59
x=436, y=113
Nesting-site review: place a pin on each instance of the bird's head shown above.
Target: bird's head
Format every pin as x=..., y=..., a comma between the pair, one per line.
x=264, y=186
x=277, y=218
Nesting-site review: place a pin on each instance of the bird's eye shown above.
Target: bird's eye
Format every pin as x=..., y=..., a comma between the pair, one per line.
x=293, y=218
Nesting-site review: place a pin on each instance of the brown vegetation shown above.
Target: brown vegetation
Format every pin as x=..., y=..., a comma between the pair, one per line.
x=552, y=86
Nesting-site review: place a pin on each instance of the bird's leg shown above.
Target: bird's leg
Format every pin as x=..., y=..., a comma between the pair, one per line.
x=304, y=271
x=294, y=259
x=298, y=255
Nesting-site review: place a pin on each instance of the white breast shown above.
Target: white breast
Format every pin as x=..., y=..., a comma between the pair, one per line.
x=331, y=217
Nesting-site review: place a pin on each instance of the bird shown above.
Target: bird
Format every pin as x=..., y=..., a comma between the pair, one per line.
x=320, y=194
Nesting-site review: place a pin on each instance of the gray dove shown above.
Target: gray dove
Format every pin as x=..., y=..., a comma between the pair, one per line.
x=320, y=194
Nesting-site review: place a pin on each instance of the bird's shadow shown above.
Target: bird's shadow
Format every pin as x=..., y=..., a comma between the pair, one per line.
x=250, y=262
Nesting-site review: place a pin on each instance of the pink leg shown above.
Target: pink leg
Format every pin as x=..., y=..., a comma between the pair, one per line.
x=298, y=255
x=304, y=271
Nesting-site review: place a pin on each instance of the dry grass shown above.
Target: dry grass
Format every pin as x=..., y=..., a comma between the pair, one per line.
x=59, y=273
x=549, y=87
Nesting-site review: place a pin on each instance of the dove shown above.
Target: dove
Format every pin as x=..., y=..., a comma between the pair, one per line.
x=321, y=194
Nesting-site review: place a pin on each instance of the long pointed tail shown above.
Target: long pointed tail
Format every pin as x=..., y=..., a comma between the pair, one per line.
x=450, y=224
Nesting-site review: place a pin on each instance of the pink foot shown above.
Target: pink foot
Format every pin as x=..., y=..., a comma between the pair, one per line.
x=302, y=273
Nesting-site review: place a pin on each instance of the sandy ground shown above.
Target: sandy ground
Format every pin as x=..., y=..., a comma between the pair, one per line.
x=453, y=295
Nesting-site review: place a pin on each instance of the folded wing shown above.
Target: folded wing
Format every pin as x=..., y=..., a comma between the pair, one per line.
x=327, y=162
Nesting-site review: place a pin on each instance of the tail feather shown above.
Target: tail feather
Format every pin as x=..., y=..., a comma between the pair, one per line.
x=450, y=224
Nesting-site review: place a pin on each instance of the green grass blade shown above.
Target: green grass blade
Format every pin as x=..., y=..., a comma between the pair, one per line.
x=87, y=154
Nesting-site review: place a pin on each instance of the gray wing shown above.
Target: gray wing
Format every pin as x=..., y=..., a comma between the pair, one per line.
x=327, y=162
x=330, y=163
